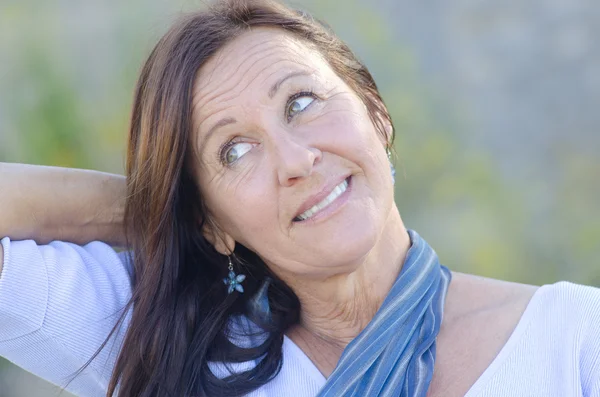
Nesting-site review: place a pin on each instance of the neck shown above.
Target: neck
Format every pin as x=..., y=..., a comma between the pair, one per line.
x=337, y=309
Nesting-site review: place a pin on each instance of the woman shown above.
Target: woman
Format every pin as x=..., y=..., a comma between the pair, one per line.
x=265, y=254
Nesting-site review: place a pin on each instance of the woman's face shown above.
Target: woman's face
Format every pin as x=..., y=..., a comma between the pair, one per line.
x=289, y=162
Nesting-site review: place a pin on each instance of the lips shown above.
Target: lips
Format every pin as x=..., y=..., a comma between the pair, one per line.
x=322, y=199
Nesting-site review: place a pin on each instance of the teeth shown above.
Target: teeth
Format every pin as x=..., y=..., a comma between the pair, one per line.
x=335, y=193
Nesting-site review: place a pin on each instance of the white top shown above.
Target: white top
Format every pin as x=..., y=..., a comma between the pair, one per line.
x=58, y=302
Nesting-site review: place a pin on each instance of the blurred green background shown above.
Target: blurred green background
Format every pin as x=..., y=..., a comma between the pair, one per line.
x=495, y=107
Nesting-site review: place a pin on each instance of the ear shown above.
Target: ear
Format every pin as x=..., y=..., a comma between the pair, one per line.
x=389, y=132
x=382, y=121
x=221, y=241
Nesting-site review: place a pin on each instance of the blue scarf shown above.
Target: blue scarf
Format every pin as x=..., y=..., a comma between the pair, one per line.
x=395, y=353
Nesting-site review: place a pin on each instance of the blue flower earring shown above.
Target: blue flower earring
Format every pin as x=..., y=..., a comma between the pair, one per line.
x=234, y=281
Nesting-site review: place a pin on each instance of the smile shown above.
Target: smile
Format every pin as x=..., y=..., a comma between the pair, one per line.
x=335, y=193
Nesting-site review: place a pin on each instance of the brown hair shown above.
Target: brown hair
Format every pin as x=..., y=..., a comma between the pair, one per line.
x=180, y=308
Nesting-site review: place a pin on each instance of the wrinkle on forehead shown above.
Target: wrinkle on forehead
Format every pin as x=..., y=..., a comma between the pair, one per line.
x=219, y=82
x=205, y=83
x=267, y=37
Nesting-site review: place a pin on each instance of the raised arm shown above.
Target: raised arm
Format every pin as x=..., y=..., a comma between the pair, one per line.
x=52, y=203
x=59, y=300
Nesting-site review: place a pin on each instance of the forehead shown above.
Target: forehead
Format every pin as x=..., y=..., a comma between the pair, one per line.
x=250, y=61
x=253, y=52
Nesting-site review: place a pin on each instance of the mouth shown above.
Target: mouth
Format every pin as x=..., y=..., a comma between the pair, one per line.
x=317, y=208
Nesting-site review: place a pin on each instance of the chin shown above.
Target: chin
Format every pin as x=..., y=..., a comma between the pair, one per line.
x=350, y=243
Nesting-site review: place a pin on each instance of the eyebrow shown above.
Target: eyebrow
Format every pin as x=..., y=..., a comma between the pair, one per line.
x=279, y=82
x=272, y=91
x=221, y=123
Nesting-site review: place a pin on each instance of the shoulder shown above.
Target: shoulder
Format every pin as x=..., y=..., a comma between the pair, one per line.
x=471, y=296
x=481, y=315
x=569, y=309
x=561, y=311
x=572, y=313
x=576, y=298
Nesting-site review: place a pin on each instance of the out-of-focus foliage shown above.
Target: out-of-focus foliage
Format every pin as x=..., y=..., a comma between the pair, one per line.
x=535, y=228
x=68, y=70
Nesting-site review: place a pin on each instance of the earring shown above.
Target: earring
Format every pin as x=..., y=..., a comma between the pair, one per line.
x=258, y=305
x=392, y=168
x=233, y=281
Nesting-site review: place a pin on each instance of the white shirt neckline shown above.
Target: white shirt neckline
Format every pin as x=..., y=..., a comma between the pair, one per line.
x=311, y=369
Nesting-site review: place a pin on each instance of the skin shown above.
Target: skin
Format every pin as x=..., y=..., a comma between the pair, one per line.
x=340, y=266
x=88, y=206
x=255, y=200
x=343, y=264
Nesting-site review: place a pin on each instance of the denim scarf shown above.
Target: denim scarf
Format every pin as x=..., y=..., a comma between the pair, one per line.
x=395, y=353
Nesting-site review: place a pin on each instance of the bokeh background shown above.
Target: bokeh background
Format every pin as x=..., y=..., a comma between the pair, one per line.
x=496, y=106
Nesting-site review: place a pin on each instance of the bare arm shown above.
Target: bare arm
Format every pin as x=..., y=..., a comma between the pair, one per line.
x=52, y=203
x=59, y=302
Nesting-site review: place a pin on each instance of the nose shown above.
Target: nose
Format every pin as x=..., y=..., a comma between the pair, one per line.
x=295, y=160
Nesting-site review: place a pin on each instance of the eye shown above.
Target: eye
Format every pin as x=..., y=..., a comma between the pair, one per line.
x=298, y=103
x=233, y=151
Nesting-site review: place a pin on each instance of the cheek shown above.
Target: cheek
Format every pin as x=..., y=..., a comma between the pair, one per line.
x=247, y=210
x=351, y=134
x=358, y=140
x=349, y=120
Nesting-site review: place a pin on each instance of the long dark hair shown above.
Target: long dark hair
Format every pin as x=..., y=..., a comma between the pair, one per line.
x=181, y=312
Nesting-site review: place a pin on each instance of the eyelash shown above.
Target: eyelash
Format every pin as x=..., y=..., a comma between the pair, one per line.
x=295, y=96
x=225, y=146
x=223, y=150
